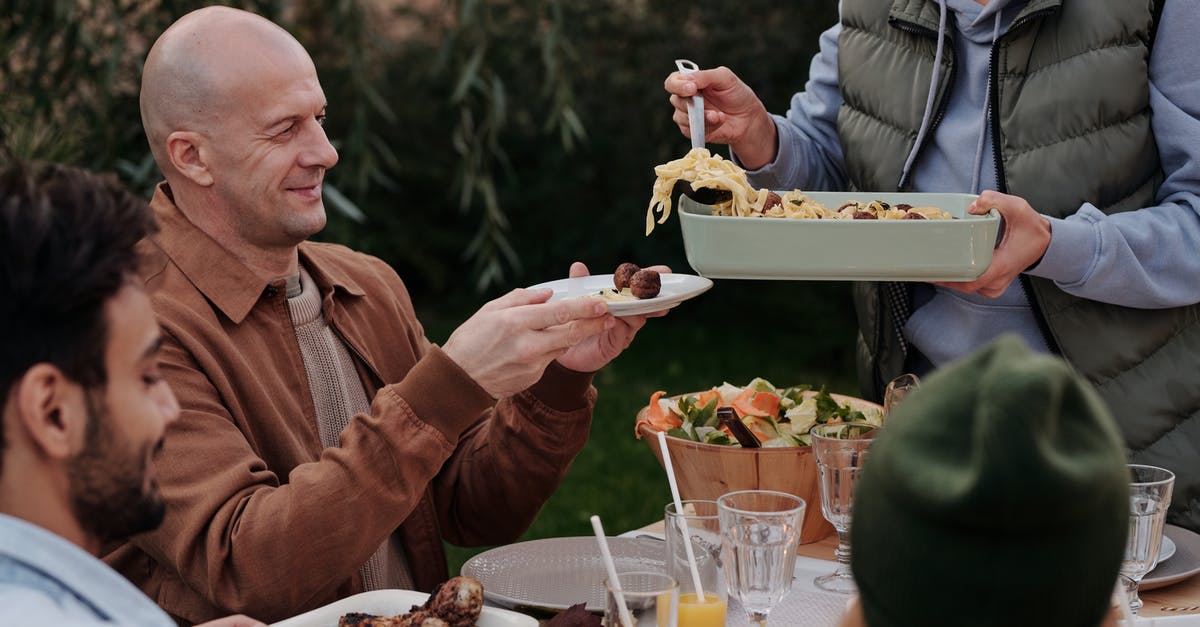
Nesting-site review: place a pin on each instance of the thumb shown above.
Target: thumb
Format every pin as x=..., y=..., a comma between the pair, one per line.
x=716, y=79
x=578, y=269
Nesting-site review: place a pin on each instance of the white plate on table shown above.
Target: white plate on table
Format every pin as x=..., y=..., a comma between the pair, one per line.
x=1167, y=549
x=555, y=573
x=391, y=603
x=675, y=288
x=1184, y=562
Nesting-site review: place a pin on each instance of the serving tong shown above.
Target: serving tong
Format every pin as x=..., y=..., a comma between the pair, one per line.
x=740, y=431
x=695, y=107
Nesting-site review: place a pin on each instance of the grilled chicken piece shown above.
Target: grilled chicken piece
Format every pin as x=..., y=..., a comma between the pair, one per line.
x=458, y=601
x=454, y=603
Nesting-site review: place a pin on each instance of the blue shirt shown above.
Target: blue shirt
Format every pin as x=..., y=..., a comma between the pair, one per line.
x=46, y=580
x=1145, y=259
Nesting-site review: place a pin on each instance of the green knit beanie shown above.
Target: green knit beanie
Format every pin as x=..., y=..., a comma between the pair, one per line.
x=997, y=494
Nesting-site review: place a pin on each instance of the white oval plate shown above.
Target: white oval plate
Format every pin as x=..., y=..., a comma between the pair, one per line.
x=676, y=288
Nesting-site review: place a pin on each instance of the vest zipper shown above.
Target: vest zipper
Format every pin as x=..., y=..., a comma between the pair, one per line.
x=942, y=102
x=998, y=161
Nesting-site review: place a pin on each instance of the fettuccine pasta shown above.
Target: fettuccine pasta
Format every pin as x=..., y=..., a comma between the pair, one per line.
x=705, y=170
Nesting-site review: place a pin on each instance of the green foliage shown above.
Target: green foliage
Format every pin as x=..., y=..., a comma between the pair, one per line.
x=482, y=144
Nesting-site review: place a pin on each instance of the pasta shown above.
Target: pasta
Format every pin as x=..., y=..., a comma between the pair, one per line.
x=705, y=170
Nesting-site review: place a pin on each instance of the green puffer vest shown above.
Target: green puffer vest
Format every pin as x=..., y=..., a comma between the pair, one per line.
x=1071, y=124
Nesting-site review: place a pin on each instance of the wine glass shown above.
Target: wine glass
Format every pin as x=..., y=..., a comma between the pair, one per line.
x=760, y=531
x=1149, y=497
x=841, y=450
x=896, y=390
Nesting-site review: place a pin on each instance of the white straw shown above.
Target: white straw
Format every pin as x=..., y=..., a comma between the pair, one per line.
x=611, y=567
x=683, y=526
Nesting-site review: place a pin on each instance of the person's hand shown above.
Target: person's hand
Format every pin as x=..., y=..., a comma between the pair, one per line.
x=1026, y=237
x=508, y=343
x=233, y=621
x=595, y=351
x=733, y=114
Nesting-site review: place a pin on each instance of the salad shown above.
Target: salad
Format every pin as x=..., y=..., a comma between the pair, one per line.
x=777, y=417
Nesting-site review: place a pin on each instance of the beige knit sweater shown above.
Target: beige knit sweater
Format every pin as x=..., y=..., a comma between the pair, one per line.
x=337, y=396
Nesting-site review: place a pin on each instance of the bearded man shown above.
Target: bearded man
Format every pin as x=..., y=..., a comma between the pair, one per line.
x=84, y=404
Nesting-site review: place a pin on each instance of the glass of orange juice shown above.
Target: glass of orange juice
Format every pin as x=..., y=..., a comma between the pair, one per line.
x=704, y=531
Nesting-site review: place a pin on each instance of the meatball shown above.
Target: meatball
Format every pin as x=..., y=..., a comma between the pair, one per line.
x=864, y=215
x=913, y=215
x=623, y=274
x=645, y=284
x=773, y=200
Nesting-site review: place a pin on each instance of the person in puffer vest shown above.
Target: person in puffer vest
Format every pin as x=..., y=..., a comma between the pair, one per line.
x=1079, y=121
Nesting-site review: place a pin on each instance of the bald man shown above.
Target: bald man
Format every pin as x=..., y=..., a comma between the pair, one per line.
x=324, y=445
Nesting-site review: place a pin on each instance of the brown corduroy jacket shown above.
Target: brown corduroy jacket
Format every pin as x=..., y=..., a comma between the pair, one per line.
x=260, y=518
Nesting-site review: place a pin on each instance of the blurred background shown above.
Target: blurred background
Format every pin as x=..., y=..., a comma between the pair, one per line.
x=484, y=146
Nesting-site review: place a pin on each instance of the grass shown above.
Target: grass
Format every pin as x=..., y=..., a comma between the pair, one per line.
x=786, y=332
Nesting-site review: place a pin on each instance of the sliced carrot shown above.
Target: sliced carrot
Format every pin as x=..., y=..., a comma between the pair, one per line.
x=657, y=418
x=751, y=403
x=703, y=398
x=768, y=403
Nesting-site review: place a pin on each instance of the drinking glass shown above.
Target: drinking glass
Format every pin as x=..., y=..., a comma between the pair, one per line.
x=652, y=598
x=704, y=531
x=841, y=450
x=1149, y=497
x=760, y=531
x=896, y=390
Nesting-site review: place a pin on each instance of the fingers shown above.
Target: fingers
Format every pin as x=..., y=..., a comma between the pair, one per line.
x=541, y=316
x=578, y=269
x=991, y=199
x=517, y=298
x=687, y=85
x=661, y=269
x=563, y=337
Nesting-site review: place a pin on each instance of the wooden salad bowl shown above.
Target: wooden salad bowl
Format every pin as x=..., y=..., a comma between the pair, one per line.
x=706, y=471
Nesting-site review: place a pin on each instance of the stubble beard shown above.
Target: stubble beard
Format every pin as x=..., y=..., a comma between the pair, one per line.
x=109, y=495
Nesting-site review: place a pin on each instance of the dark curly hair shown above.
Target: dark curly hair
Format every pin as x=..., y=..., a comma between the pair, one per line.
x=67, y=245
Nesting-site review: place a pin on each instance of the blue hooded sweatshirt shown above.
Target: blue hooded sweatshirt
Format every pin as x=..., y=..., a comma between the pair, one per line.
x=1148, y=258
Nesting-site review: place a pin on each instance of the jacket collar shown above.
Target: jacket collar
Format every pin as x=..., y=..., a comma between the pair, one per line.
x=220, y=276
x=924, y=13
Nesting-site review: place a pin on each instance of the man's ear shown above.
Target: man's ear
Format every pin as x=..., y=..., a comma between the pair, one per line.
x=188, y=153
x=52, y=411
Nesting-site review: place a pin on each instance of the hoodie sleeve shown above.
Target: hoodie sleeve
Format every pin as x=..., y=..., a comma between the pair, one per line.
x=1146, y=258
x=809, y=155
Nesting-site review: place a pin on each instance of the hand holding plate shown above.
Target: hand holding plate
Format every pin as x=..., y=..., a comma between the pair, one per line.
x=594, y=352
x=508, y=343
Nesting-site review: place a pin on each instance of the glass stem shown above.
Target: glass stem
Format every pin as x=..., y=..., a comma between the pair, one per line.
x=842, y=553
x=1131, y=592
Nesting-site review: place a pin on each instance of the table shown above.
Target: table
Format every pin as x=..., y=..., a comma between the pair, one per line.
x=1178, y=599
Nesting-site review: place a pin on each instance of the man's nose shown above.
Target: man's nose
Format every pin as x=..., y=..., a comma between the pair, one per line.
x=319, y=152
x=168, y=405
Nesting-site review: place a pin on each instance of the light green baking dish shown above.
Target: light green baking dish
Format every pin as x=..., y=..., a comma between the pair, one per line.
x=722, y=247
